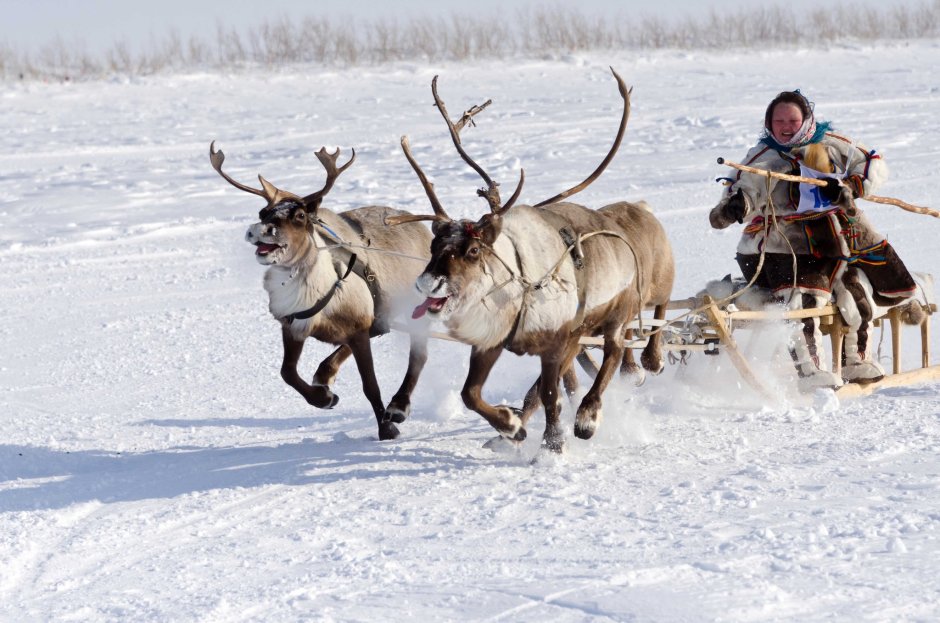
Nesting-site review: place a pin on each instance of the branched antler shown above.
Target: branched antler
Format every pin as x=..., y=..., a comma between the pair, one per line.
x=328, y=160
x=625, y=94
x=269, y=191
x=491, y=192
x=439, y=213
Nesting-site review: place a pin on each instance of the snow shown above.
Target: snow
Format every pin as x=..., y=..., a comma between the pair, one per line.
x=154, y=467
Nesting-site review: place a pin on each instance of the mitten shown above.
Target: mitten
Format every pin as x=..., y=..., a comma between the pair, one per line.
x=832, y=190
x=736, y=207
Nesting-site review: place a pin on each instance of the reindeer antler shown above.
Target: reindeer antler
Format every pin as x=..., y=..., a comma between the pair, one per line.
x=625, y=94
x=439, y=213
x=491, y=192
x=328, y=160
x=269, y=191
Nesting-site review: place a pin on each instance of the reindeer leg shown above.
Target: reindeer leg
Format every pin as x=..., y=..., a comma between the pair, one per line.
x=328, y=369
x=400, y=407
x=589, y=412
x=570, y=379
x=554, y=438
x=532, y=400
x=362, y=352
x=628, y=365
x=504, y=419
x=316, y=395
x=652, y=356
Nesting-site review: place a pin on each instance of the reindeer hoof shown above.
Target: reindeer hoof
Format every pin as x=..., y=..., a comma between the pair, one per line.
x=512, y=426
x=556, y=445
x=582, y=431
x=588, y=418
x=398, y=411
x=388, y=430
x=634, y=373
x=322, y=398
x=654, y=366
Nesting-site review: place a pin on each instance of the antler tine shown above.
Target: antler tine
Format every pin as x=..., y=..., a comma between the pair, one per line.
x=328, y=161
x=439, y=212
x=515, y=195
x=467, y=117
x=217, y=158
x=410, y=218
x=491, y=192
x=625, y=94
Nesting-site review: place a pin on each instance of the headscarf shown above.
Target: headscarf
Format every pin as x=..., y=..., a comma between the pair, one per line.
x=809, y=132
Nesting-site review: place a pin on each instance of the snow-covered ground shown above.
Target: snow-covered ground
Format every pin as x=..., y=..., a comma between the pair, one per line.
x=154, y=467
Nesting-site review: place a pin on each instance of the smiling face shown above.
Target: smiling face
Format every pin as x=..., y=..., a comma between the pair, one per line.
x=282, y=234
x=785, y=121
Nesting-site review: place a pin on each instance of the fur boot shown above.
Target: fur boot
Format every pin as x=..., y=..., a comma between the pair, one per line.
x=804, y=342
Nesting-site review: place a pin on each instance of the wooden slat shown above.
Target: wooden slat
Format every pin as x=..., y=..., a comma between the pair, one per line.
x=731, y=348
x=920, y=375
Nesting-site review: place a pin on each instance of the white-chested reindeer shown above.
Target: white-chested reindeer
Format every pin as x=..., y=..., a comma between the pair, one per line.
x=333, y=277
x=535, y=279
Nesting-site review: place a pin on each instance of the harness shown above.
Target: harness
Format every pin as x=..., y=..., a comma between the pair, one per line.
x=573, y=248
x=380, y=324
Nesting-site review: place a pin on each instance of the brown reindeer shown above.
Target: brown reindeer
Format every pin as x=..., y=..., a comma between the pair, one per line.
x=535, y=279
x=335, y=277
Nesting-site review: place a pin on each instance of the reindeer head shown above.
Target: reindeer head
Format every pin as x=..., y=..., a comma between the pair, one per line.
x=282, y=235
x=458, y=246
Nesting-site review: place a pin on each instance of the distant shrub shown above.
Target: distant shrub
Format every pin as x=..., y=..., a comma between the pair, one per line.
x=533, y=32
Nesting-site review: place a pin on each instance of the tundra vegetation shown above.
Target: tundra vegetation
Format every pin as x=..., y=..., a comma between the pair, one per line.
x=533, y=32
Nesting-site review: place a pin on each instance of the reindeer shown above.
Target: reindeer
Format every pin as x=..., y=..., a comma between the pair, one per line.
x=535, y=279
x=334, y=277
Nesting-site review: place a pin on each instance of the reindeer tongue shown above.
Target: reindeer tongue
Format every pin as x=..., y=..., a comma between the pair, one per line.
x=428, y=303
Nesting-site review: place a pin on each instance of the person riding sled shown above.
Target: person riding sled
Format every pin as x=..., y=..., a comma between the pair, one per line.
x=807, y=243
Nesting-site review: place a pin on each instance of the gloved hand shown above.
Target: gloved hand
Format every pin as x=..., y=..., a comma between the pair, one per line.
x=832, y=191
x=855, y=185
x=736, y=207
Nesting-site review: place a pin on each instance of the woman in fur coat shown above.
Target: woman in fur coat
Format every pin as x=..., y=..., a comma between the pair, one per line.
x=812, y=242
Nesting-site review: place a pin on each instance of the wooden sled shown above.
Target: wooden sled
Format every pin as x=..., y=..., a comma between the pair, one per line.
x=719, y=324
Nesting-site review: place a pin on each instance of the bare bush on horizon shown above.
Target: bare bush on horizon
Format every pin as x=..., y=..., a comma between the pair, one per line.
x=532, y=32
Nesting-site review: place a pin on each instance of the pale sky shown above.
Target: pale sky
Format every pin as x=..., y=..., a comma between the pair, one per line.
x=27, y=25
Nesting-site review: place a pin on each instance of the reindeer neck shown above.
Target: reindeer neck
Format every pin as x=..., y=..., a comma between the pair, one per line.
x=292, y=289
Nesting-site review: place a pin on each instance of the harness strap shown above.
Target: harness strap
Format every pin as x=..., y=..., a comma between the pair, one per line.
x=515, y=325
x=380, y=324
x=577, y=257
x=323, y=302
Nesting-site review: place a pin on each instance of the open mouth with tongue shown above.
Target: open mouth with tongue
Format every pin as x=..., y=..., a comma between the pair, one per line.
x=430, y=304
x=264, y=248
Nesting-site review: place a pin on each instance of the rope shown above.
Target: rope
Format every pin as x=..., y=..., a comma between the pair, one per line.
x=734, y=295
x=529, y=286
x=349, y=245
